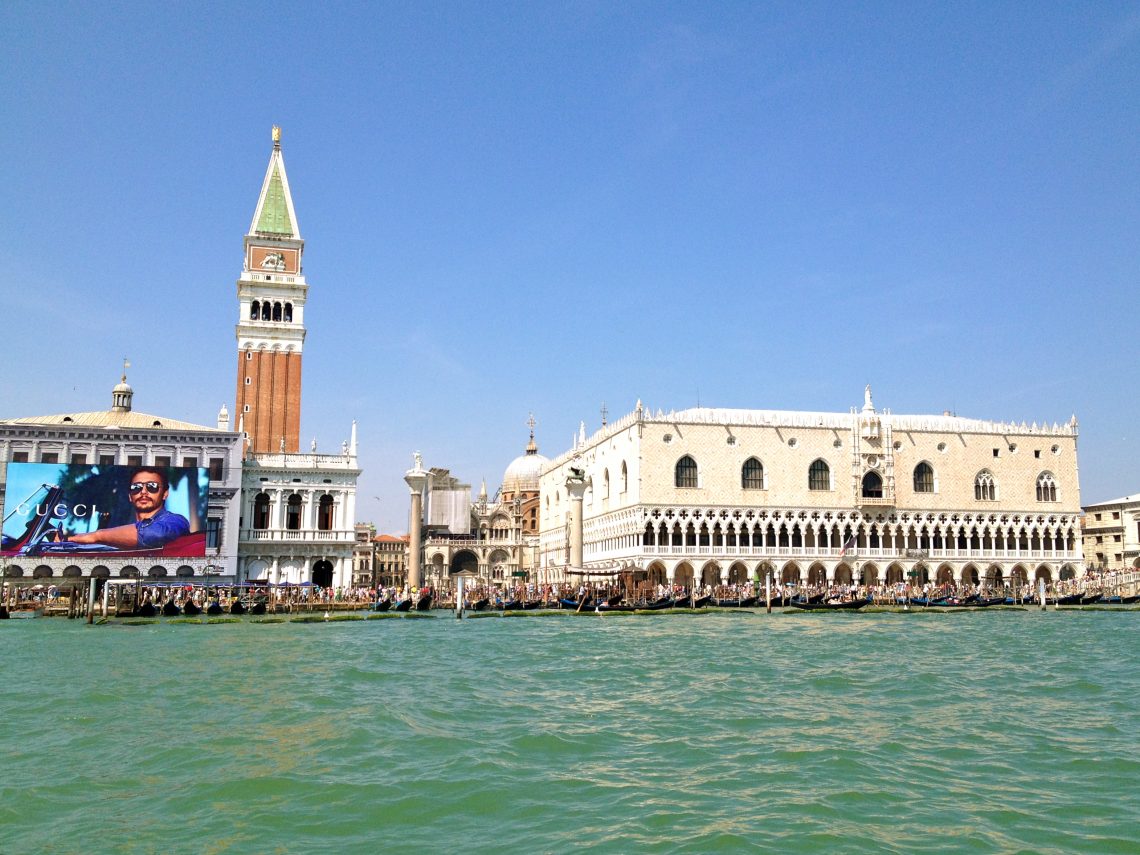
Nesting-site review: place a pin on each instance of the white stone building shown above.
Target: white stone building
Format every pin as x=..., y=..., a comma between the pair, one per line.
x=1112, y=534
x=719, y=495
x=123, y=436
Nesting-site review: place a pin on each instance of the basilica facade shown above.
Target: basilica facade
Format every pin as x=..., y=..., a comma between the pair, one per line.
x=493, y=539
x=722, y=496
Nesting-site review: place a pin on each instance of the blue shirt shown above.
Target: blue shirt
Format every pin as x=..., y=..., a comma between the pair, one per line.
x=161, y=528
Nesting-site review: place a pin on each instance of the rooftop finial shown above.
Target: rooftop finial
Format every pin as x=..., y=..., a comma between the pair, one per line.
x=126, y=365
x=868, y=407
x=531, y=447
x=277, y=136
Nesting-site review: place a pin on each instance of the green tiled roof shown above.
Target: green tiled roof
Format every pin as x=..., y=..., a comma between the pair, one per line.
x=274, y=217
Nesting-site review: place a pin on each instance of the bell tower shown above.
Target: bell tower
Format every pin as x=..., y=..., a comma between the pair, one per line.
x=271, y=321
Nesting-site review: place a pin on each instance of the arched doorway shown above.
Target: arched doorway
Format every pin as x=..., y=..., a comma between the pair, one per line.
x=970, y=575
x=994, y=576
x=466, y=561
x=710, y=574
x=895, y=575
x=738, y=574
x=683, y=574
x=1043, y=572
x=323, y=573
x=790, y=575
x=1018, y=576
x=869, y=575
x=842, y=575
x=945, y=575
x=817, y=575
x=656, y=573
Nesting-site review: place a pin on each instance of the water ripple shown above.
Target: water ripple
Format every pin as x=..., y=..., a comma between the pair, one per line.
x=981, y=732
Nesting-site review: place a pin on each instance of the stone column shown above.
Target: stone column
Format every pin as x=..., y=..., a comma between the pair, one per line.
x=416, y=479
x=576, y=488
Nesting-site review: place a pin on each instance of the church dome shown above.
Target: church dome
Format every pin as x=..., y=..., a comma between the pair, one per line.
x=524, y=472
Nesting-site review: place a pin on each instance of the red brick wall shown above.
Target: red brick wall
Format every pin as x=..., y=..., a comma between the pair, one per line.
x=274, y=399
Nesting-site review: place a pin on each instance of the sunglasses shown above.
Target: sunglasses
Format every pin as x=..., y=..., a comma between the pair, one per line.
x=152, y=487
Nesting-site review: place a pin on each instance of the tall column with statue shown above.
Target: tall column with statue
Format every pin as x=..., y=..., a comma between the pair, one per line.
x=576, y=487
x=416, y=479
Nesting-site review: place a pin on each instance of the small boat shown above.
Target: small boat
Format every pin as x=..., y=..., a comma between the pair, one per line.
x=1067, y=600
x=146, y=609
x=701, y=602
x=191, y=608
x=531, y=605
x=214, y=609
x=423, y=604
x=257, y=608
x=381, y=605
x=656, y=605
x=402, y=606
x=1089, y=599
x=511, y=605
x=169, y=609
x=480, y=605
x=25, y=614
x=237, y=607
x=842, y=605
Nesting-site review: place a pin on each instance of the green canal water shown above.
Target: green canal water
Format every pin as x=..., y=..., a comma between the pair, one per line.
x=983, y=732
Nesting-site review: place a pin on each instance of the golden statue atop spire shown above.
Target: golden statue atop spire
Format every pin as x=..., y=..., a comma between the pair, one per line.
x=277, y=136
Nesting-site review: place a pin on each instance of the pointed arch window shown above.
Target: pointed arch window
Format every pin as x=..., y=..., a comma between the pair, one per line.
x=255, y=311
x=606, y=484
x=872, y=486
x=1046, y=487
x=924, y=478
x=261, y=511
x=325, y=513
x=752, y=474
x=276, y=311
x=288, y=312
x=624, y=477
x=685, y=474
x=819, y=476
x=985, y=488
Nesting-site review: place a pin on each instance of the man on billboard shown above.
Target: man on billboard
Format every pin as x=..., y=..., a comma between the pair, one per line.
x=154, y=525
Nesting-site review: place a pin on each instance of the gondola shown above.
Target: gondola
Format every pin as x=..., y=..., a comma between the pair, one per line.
x=701, y=602
x=257, y=608
x=511, y=605
x=215, y=608
x=655, y=606
x=381, y=605
x=237, y=607
x=146, y=609
x=1089, y=599
x=402, y=606
x=423, y=604
x=480, y=605
x=169, y=609
x=846, y=605
x=531, y=605
x=191, y=608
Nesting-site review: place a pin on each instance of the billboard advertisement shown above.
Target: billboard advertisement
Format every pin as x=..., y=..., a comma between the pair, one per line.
x=56, y=509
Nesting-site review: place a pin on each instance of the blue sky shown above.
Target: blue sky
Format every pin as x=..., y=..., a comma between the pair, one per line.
x=514, y=208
